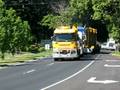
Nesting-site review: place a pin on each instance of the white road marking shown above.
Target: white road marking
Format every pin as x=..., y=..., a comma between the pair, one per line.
x=112, y=60
x=30, y=71
x=54, y=84
x=50, y=64
x=97, y=56
x=92, y=80
x=115, y=66
x=3, y=67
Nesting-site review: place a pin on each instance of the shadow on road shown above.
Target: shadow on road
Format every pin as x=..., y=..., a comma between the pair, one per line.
x=91, y=59
x=81, y=59
x=87, y=57
x=105, y=51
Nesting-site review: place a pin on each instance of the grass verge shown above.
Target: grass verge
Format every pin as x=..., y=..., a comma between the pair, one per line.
x=25, y=56
x=116, y=53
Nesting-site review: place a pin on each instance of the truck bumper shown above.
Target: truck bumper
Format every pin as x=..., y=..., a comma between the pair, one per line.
x=64, y=56
x=67, y=55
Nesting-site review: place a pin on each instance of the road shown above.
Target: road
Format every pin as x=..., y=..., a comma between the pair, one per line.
x=91, y=72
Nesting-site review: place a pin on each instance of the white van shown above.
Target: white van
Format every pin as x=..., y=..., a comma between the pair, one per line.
x=110, y=45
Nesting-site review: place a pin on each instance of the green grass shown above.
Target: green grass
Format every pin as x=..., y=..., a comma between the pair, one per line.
x=116, y=53
x=26, y=56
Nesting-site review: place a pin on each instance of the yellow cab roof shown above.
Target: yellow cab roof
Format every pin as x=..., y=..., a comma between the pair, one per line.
x=65, y=29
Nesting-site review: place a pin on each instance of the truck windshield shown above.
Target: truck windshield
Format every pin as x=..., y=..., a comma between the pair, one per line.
x=65, y=37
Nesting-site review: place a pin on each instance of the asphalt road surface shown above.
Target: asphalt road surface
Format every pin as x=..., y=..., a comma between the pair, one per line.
x=91, y=72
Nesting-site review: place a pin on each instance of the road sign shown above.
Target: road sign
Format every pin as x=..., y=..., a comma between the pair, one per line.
x=47, y=46
x=93, y=80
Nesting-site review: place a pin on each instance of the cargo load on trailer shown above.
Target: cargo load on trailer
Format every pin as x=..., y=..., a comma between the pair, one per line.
x=91, y=43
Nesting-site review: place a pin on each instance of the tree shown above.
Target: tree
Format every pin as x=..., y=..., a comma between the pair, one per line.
x=64, y=18
x=33, y=12
x=80, y=12
x=60, y=15
x=109, y=11
x=53, y=13
x=115, y=33
x=14, y=33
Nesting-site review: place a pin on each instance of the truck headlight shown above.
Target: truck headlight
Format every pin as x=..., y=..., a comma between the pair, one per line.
x=92, y=47
x=55, y=51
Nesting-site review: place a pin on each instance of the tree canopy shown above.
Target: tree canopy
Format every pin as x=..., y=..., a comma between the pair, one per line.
x=89, y=13
x=45, y=15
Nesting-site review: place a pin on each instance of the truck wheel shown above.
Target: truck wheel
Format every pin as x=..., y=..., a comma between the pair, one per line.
x=77, y=58
x=56, y=59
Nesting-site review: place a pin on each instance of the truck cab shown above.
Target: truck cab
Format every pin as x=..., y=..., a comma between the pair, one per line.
x=66, y=43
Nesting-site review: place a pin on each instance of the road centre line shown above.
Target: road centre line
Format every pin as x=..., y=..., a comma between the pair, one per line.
x=54, y=84
x=75, y=74
x=97, y=56
x=50, y=64
x=30, y=71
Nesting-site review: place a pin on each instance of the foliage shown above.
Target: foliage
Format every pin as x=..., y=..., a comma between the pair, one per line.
x=53, y=21
x=115, y=33
x=41, y=49
x=33, y=12
x=88, y=12
x=109, y=11
x=14, y=33
x=61, y=15
x=36, y=48
x=100, y=14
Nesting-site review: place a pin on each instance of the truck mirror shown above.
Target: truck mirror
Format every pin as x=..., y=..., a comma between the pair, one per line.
x=52, y=37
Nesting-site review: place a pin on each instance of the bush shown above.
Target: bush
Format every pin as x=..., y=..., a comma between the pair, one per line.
x=34, y=48
x=41, y=49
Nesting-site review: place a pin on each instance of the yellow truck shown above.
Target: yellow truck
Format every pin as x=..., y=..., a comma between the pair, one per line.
x=91, y=43
x=66, y=43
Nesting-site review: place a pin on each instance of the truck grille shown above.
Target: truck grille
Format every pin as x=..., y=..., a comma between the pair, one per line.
x=64, y=51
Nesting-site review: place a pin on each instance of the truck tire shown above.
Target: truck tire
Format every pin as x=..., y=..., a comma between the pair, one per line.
x=56, y=59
